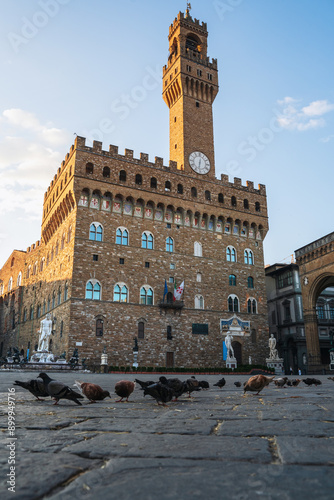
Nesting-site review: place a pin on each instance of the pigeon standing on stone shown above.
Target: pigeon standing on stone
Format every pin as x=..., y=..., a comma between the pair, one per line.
x=237, y=384
x=280, y=382
x=35, y=386
x=160, y=392
x=257, y=383
x=177, y=386
x=192, y=385
x=123, y=389
x=58, y=390
x=204, y=384
x=220, y=383
x=312, y=381
x=93, y=392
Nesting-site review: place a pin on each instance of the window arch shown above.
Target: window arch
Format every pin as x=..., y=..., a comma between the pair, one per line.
x=122, y=236
x=89, y=168
x=154, y=183
x=141, y=329
x=95, y=232
x=168, y=186
x=93, y=290
x=199, y=277
x=257, y=206
x=19, y=279
x=169, y=244
x=139, y=179
x=220, y=198
x=147, y=240
x=146, y=295
x=231, y=254
x=99, y=324
x=106, y=172
x=246, y=204
x=198, y=249
x=194, y=192
x=207, y=195
x=233, y=303
x=248, y=257
x=120, y=293
x=122, y=176
x=250, y=282
x=251, y=306
x=199, y=302
x=10, y=284
x=59, y=296
x=179, y=189
x=233, y=201
x=66, y=291
x=232, y=280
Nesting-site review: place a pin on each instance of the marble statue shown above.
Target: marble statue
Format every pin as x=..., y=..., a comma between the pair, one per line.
x=45, y=331
x=228, y=344
x=273, y=353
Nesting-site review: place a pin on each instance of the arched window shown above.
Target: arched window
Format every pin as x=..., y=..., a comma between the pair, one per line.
x=248, y=256
x=34, y=272
x=120, y=293
x=122, y=236
x=31, y=315
x=233, y=201
x=95, y=232
x=66, y=292
x=93, y=290
x=194, y=192
x=122, y=176
x=231, y=254
x=220, y=198
x=49, y=303
x=207, y=195
x=19, y=279
x=25, y=315
x=197, y=249
x=199, y=277
x=257, y=207
x=169, y=244
x=53, y=300
x=38, y=312
x=141, y=330
x=62, y=244
x=139, y=180
x=199, y=302
x=99, y=327
x=246, y=204
x=147, y=240
x=106, y=172
x=154, y=183
x=10, y=284
x=251, y=306
x=232, y=280
x=168, y=186
x=250, y=282
x=146, y=296
x=89, y=168
x=59, y=296
x=233, y=303
x=179, y=189
x=41, y=265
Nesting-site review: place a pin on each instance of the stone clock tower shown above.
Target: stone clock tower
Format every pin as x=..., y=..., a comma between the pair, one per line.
x=190, y=85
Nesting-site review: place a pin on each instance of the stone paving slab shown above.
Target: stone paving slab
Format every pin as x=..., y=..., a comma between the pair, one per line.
x=217, y=444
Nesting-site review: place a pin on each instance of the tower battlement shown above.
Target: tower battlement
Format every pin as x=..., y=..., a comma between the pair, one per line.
x=181, y=18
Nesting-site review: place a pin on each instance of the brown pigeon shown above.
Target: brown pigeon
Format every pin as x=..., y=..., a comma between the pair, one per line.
x=280, y=382
x=93, y=392
x=124, y=388
x=257, y=383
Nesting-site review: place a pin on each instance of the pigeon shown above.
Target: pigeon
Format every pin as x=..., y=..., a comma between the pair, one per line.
x=177, y=386
x=311, y=381
x=143, y=384
x=160, y=392
x=93, y=392
x=58, y=390
x=192, y=385
x=331, y=378
x=237, y=384
x=280, y=382
x=123, y=389
x=295, y=382
x=204, y=384
x=35, y=386
x=257, y=383
x=220, y=383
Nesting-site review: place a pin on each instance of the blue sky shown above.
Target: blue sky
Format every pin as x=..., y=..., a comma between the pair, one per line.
x=66, y=65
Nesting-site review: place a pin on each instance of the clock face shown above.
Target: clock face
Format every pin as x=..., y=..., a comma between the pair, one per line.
x=199, y=162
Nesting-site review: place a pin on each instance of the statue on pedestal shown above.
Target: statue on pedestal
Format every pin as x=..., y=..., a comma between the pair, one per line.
x=273, y=353
x=45, y=332
x=228, y=344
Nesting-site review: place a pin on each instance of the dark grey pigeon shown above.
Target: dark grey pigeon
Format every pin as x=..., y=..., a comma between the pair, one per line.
x=220, y=383
x=177, y=386
x=160, y=392
x=144, y=384
x=204, y=384
x=192, y=385
x=58, y=390
x=35, y=386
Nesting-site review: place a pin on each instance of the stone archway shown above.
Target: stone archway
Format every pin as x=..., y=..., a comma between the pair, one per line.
x=316, y=270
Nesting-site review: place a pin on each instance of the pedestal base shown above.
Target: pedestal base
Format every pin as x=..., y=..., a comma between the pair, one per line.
x=277, y=364
x=231, y=363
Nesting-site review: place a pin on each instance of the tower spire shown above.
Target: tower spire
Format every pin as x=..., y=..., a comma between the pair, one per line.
x=188, y=9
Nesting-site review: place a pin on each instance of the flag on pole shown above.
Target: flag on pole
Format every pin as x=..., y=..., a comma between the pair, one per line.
x=165, y=291
x=178, y=291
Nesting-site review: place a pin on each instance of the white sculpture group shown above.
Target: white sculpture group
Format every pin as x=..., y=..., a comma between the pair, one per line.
x=228, y=344
x=45, y=332
x=273, y=353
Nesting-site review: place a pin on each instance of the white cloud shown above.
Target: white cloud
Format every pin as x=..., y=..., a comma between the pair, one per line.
x=295, y=117
x=327, y=139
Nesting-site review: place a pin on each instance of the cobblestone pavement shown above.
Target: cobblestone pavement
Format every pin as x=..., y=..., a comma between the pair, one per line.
x=217, y=444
